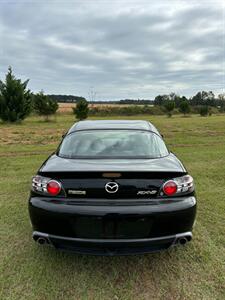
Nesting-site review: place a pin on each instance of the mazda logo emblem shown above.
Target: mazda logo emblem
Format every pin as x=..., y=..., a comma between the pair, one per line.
x=111, y=187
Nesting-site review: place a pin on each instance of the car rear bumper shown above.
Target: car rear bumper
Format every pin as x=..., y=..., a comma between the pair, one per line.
x=116, y=228
x=112, y=246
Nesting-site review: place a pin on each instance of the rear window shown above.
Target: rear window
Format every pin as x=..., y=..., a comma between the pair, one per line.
x=112, y=144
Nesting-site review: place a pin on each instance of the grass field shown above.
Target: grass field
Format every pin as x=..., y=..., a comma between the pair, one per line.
x=196, y=271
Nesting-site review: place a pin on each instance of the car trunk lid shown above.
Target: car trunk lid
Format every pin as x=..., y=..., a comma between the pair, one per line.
x=112, y=185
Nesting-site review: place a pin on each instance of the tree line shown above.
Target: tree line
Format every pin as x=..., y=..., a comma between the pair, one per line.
x=202, y=101
x=66, y=98
x=17, y=102
x=75, y=99
x=201, y=98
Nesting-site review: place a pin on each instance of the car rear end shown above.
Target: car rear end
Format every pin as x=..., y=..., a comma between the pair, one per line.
x=150, y=210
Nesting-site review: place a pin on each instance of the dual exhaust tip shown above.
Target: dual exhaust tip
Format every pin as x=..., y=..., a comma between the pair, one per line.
x=183, y=239
x=42, y=241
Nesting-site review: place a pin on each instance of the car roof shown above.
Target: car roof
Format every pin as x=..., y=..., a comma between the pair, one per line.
x=113, y=124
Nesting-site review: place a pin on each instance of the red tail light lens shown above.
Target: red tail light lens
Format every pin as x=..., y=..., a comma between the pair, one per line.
x=170, y=188
x=53, y=187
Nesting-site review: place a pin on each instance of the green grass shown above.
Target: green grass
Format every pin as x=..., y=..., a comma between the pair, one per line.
x=196, y=271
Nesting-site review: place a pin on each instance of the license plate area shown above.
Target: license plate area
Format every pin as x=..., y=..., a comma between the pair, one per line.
x=112, y=227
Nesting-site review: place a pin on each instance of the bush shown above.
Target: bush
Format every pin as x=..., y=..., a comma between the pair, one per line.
x=81, y=110
x=15, y=99
x=44, y=105
x=184, y=107
x=204, y=111
x=169, y=107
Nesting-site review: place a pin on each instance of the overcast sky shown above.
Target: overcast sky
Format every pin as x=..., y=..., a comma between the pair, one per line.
x=120, y=49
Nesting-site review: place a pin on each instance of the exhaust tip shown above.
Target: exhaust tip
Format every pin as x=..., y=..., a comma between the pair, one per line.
x=40, y=238
x=182, y=241
x=41, y=241
x=183, y=238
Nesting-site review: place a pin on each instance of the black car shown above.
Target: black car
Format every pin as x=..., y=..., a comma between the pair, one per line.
x=112, y=187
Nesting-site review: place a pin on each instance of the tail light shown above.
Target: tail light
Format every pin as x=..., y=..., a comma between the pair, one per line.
x=46, y=186
x=170, y=188
x=177, y=186
x=53, y=187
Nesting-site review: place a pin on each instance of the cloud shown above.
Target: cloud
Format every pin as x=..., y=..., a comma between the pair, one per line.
x=121, y=49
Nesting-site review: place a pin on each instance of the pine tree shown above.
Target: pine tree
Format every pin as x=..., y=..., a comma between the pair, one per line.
x=15, y=98
x=44, y=105
x=184, y=107
x=81, y=110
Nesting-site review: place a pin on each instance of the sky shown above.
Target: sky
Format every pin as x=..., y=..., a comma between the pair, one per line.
x=110, y=50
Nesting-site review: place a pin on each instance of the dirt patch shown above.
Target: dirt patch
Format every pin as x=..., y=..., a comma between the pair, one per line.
x=26, y=136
